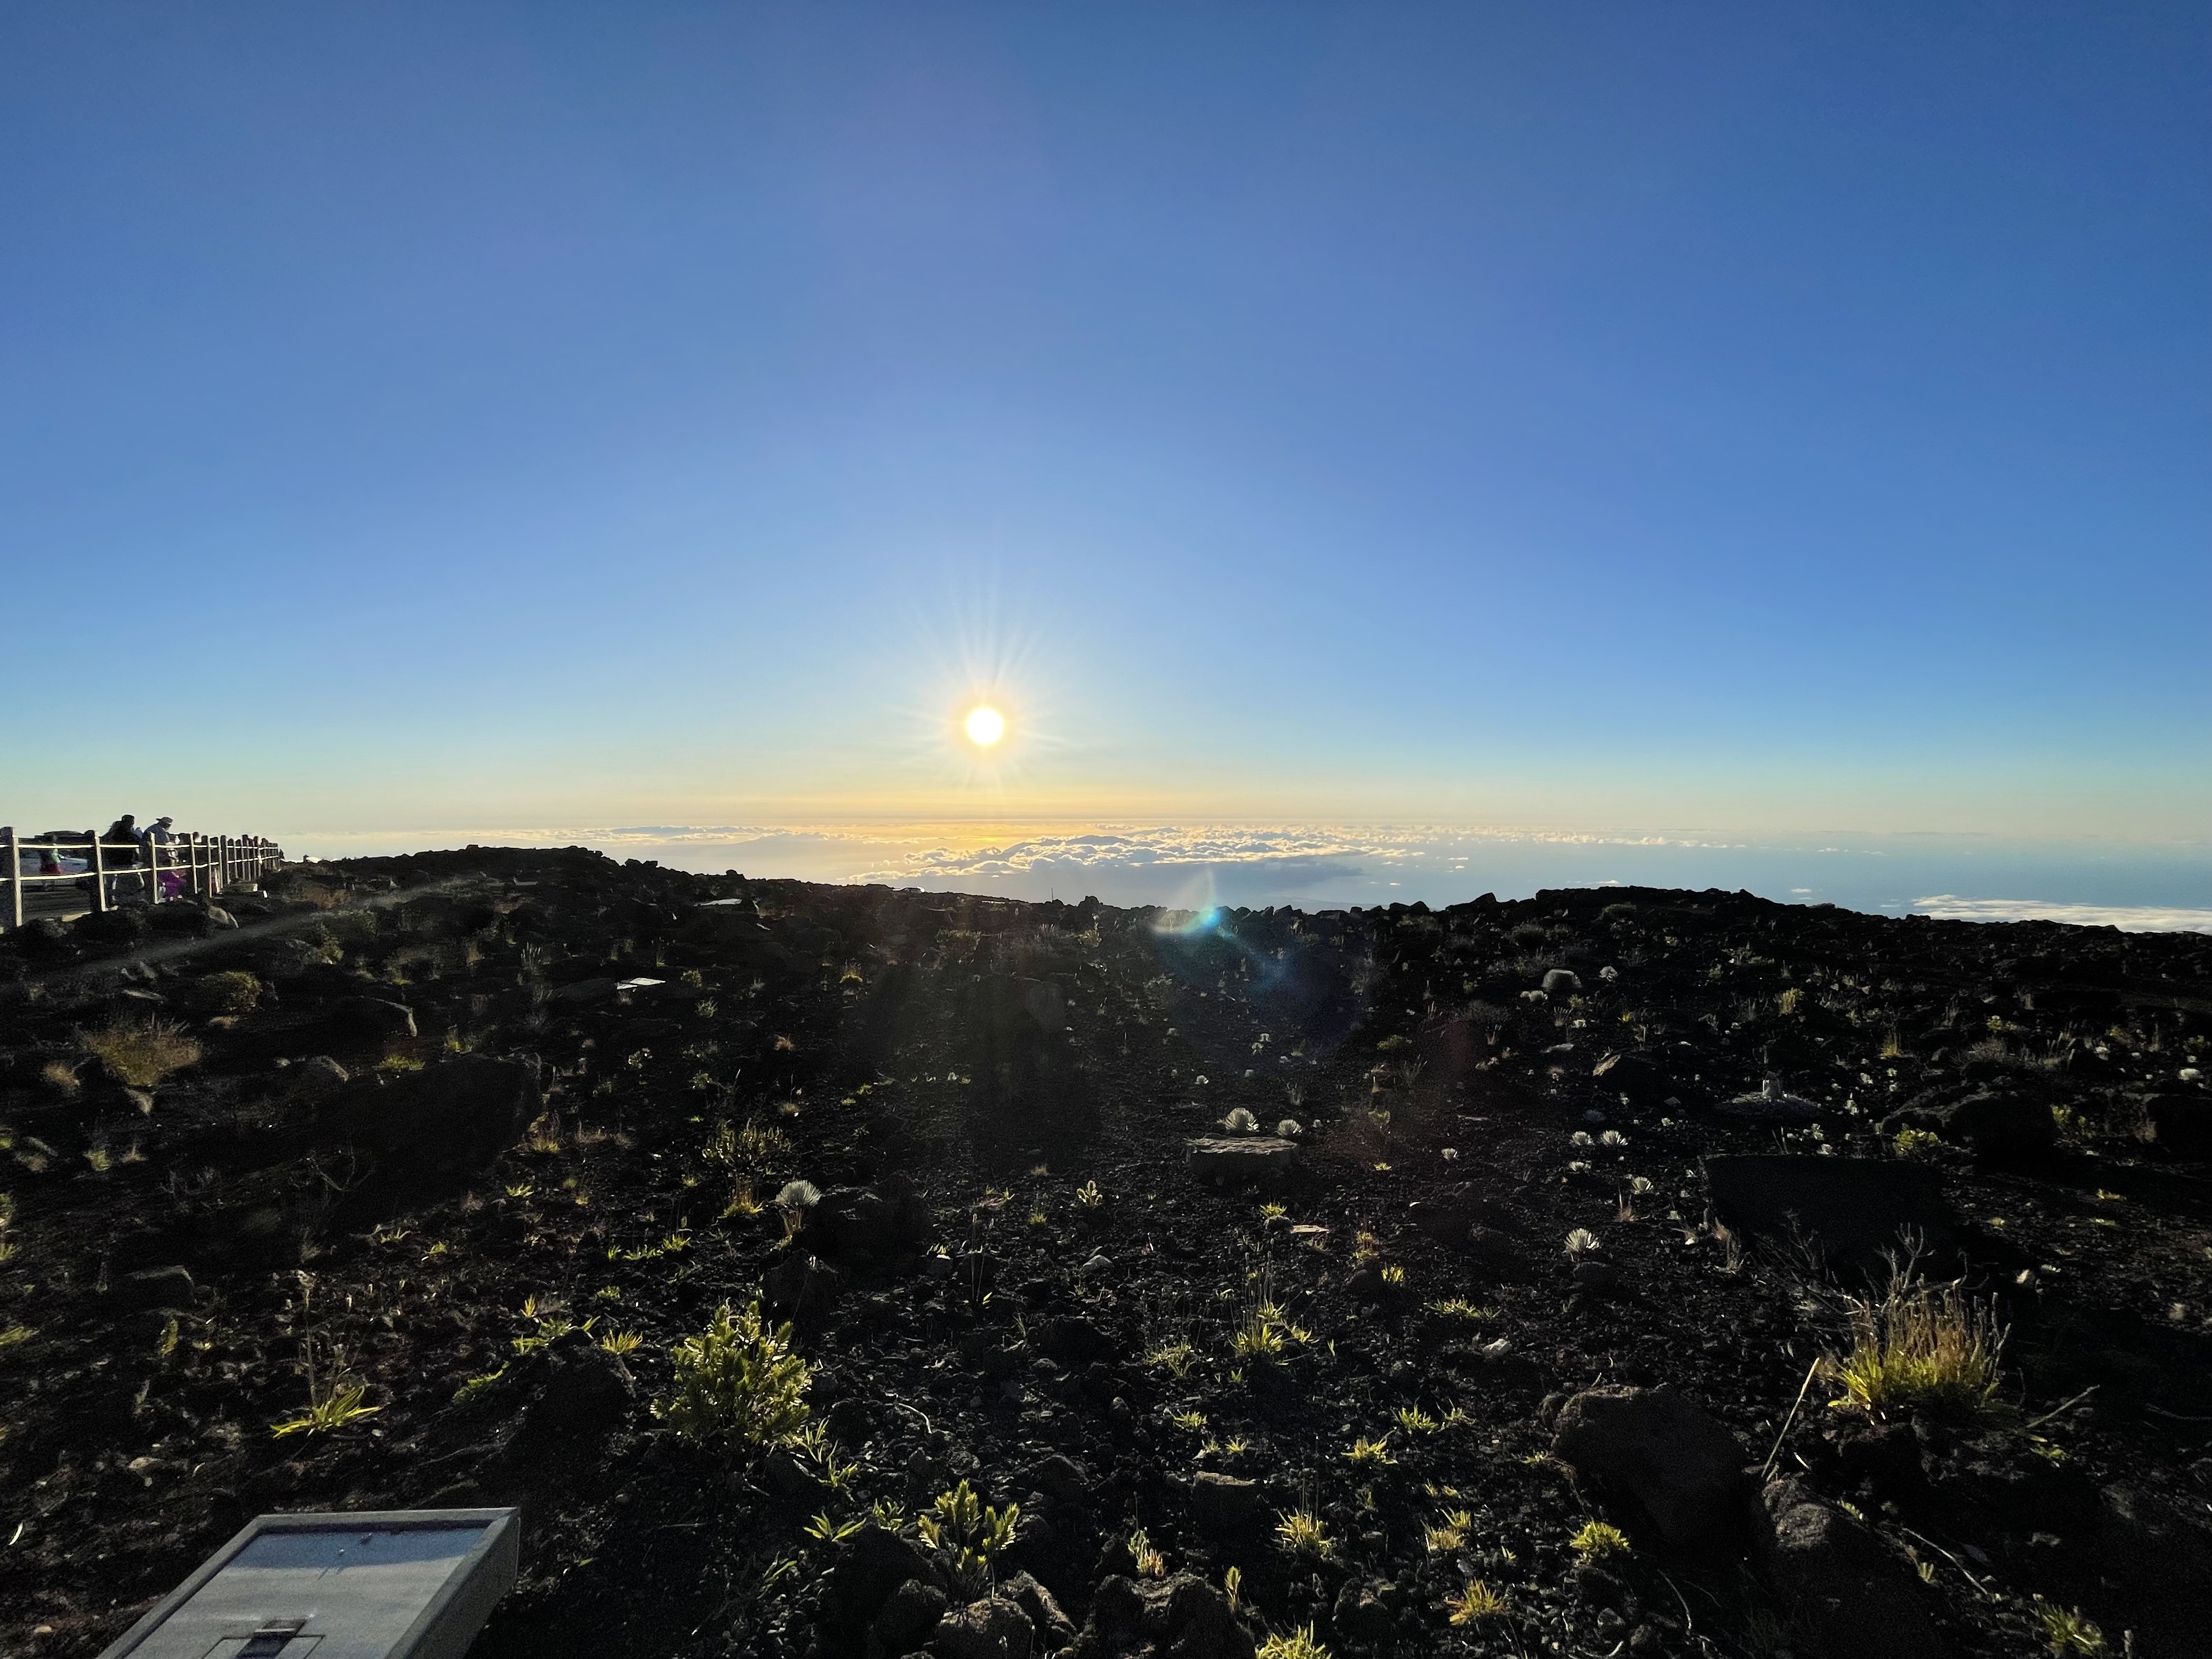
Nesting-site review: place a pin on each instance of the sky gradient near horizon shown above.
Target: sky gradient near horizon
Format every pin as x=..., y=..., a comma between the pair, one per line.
x=1717, y=418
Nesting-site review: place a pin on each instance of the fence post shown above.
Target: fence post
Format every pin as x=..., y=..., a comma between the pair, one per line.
x=99, y=875
x=14, y=879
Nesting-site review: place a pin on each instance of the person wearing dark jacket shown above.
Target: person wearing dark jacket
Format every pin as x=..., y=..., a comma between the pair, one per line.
x=119, y=851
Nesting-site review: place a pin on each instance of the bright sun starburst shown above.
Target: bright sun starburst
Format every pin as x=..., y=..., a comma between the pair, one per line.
x=985, y=725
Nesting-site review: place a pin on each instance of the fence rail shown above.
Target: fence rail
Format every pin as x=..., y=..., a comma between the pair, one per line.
x=120, y=872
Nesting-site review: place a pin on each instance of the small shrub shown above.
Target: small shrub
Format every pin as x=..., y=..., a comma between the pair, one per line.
x=959, y=1526
x=1477, y=1602
x=1299, y=1643
x=142, y=1053
x=1918, y=1143
x=1301, y=1532
x=1597, y=1539
x=738, y=1382
x=1240, y=1122
x=1146, y=1557
x=1918, y=1347
x=2066, y=1630
x=330, y=1406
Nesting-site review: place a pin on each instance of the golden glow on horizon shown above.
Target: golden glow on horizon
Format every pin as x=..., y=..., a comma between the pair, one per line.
x=985, y=725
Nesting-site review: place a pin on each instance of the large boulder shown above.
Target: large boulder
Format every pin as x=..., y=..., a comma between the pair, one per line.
x=1660, y=1449
x=1849, y=1596
x=1850, y=1209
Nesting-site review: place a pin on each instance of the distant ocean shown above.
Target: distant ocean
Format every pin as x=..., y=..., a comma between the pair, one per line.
x=2151, y=887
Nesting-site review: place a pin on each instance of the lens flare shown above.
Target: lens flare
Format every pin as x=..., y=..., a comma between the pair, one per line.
x=985, y=725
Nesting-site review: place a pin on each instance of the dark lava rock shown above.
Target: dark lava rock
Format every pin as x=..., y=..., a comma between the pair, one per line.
x=1242, y=1158
x=1226, y=1503
x=363, y=1022
x=2163, y=1558
x=871, y=1565
x=286, y=957
x=1660, y=1448
x=1633, y=1077
x=909, y=1616
x=1856, y=1208
x=422, y=1135
x=1362, y=1614
x=878, y=1222
x=802, y=1287
x=993, y=1628
x=1850, y=1596
x=1184, y=1617
x=2179, y=1120
x=584, y=993
x=155, y=1287
x=1053, y=1627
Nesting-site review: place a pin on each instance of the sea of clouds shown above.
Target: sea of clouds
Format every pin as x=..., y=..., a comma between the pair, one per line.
x=2149, y=887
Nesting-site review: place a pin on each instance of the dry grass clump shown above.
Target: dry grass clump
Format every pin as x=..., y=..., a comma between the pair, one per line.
x=1919, y=1346
x=142, y=1053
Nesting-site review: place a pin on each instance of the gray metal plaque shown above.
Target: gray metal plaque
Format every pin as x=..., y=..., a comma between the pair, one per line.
x=389, y=1584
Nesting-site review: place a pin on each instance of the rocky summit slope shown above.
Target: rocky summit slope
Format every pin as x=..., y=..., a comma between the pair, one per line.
x=1394, y=1282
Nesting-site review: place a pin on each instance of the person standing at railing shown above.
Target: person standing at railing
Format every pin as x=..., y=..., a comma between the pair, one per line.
x=168, y=883
x=118, y=850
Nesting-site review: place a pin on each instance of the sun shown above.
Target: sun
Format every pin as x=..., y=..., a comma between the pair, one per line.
x=985, y=725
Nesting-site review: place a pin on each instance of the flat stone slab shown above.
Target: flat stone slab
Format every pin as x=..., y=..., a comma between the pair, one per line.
x=1242, y=1158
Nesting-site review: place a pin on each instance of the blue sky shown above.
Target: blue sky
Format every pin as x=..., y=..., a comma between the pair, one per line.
x=480, y=415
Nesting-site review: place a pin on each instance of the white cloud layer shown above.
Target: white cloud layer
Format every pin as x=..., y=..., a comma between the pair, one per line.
x=2132, y=917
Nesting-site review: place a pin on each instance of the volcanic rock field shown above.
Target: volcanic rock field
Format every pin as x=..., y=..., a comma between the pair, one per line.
x=1609, y=1272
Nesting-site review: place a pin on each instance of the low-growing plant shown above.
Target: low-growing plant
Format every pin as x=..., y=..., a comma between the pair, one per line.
x=795, y=1202
x=141, y=1054
x=1091, y=1197
x=2066, y=1631
x=738, y=1383
x=1448, y=1535
x=1916, y=1143
x=817, y=1454
x=233, y=991
x=1366, y=1450
x=1299, y=1643
x=1301, y=1532
x=621, y=1342
x=1597, y=1539
x=1919, y=1346
x=1232, y=1586
x=1176, y=1358
x=833, y=1532
x=482, y=1384
x=1415, y=1420
x=1458, y=1307
x=1191, y=1421
x=961, y=1528
x=1475, y=1602
x=333, y=1401
x=1147, y=1560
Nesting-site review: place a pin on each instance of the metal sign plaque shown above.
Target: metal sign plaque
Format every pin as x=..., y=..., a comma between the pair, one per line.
x=388, y=1584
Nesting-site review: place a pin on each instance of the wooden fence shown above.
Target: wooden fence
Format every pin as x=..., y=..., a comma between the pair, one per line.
x=127, y=872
